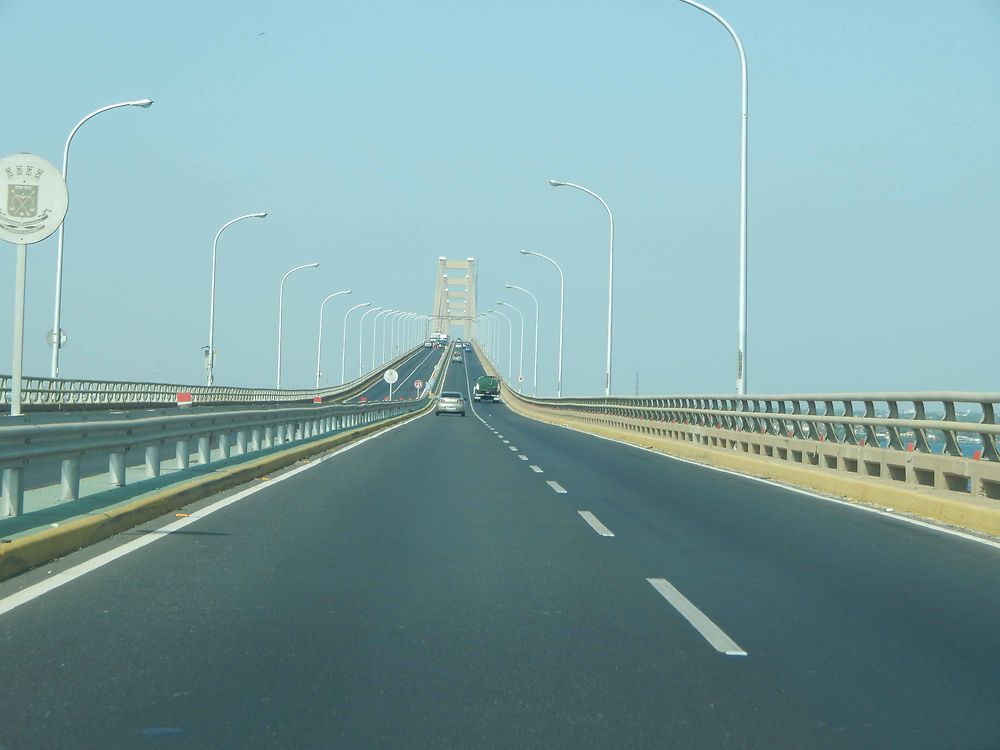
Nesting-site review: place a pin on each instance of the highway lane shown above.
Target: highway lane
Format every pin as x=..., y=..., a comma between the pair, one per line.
x=429, y=588
x=419, y=366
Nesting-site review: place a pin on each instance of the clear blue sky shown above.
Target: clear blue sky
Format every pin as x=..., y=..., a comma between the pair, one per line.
x=380, y=135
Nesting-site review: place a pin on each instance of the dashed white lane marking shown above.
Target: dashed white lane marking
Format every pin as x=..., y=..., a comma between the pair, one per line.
x=556, y=486
x=708, y=629
x=500, y=436
x=596, y=525
x=522, y=457
x=536, y=469
x=506, y=441
x=512, y=447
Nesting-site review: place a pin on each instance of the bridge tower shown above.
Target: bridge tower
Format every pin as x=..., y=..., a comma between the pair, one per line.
x=455, y=296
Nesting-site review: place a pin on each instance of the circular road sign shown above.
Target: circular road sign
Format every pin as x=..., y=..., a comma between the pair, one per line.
x=33, y=199
x=390, y=376
x=50, y=337
x=418, y=384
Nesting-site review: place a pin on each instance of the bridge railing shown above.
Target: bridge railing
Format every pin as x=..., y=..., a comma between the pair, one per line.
x=943, y=441
x=40, y=393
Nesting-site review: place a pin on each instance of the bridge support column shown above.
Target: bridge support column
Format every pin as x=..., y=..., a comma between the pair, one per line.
x=13, y=492
x=116, y=468
x=152, y=461
x=183, y=454
x=241, y=442
x=224, y=445
x=70, y=479
x=205, y=449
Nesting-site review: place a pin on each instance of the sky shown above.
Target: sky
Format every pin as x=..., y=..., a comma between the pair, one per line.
x=379, y=136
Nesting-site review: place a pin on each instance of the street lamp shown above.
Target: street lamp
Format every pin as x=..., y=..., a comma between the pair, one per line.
x=210, y=355
x=387, y=325
x=561, y=297
x=57, y=324
x=534, y=377
x=281, y=296
x=343, y=343
x=361, y=338
x=319, y=346
x=611, y=273
x=510, y=338
x=520, y=363
x=741, y=327
x=375, y=333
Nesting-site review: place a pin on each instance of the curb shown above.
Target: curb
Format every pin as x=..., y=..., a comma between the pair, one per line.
x=30, y=550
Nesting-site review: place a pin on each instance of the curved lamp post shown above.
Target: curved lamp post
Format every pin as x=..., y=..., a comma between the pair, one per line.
x=561, y=299
x=520, y=363
x=611, y=273
x=510, y=338
x=57, y=322
x=319, y=346
x=210, y=375
x=343, y=343
x=361, y=338
x=375, y=334
x=741, y=328
x=534, y=376
x=281, y=297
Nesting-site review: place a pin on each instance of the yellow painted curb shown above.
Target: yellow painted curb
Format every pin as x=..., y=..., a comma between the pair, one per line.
x=33, y=549
x=973, y=513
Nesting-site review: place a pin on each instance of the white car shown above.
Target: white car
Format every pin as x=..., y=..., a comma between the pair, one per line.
x=450, y=402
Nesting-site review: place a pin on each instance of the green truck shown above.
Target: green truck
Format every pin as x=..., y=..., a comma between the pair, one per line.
x=487, y=388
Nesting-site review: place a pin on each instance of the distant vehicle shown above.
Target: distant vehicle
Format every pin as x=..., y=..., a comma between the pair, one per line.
x=428, y=344
x=450, y=402
x=468, y=347
x=487, y=388
x=456, y=357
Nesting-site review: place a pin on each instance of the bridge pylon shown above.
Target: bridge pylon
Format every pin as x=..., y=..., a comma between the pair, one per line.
x=455, y=296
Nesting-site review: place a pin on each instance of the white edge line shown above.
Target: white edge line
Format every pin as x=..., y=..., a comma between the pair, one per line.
x=556, y=486
x=708, y=629
x=797, y=490
x=36, y=590
x=595, y=524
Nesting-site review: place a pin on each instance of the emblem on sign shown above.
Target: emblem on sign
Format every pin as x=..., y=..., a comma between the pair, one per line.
x=33, y=201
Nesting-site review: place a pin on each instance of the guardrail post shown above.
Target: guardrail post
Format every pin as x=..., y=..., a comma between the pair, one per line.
x=224, y=445
x=70, y=479
x=116, y=468
x=13, y=492
x=183, y=454
x=255, y=439
x=152, y=461
x=205, y=449
x=269, y=436
x=290, y=432
x=241, y=442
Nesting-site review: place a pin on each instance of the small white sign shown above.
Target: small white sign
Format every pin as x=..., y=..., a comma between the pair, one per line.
x=418, y=384
x=390, y=376
x=33, y=199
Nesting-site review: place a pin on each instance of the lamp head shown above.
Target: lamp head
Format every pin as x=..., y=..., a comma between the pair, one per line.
x=525, y=252
x=508, y=286
x=260, y=215
x=366, y=304
x=144, y=103
x=556, y=183
x=313, y=265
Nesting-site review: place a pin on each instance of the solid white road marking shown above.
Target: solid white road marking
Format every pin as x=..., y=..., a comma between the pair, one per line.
x=522, y=457
x=800, y=491
x=43, y=587
x=708, y=629
x=536, y=469
x=596, y=525
x=556, y=486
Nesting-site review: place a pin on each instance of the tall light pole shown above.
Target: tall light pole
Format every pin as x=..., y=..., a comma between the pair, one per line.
x=534, y=376
x=520, y=362
x=361, y=338
x=741, y=326
x=510, y=338
x=281, y=297
x=319, y=345
x=387, y=328
x=561, y=299
x=375, y=333
x=210, y=375
x=611, y=273
x=57, y=322
x=343, y=343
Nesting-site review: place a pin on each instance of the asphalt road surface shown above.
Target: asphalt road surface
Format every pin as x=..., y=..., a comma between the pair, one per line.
x=501, y=583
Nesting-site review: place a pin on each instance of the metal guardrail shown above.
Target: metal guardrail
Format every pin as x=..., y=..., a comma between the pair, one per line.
x=57, y=393
x=55, y=442
x=943, y=441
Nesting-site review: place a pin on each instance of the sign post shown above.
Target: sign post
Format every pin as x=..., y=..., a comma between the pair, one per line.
x=390, y=376
x=418, y=384
x=32, y=207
